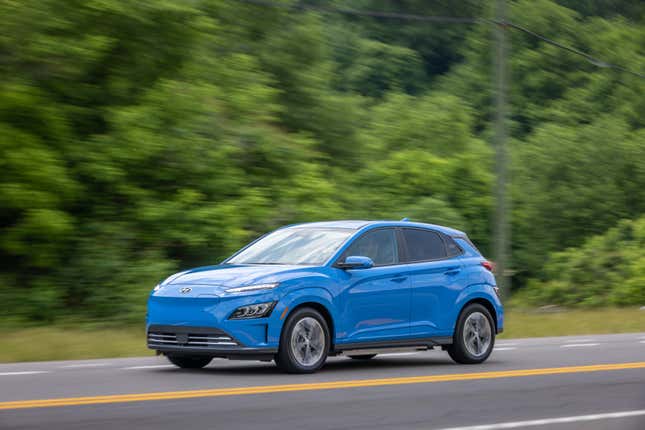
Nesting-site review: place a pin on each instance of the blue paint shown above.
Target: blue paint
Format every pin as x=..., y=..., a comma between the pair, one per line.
x=365, y=303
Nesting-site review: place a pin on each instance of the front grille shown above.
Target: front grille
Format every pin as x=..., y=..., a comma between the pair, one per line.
x=185, y=337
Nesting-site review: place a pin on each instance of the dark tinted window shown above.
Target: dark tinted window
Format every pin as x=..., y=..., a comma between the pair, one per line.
x=423, y=245
x=379, y=245
x=451, y=247
x=470, y=242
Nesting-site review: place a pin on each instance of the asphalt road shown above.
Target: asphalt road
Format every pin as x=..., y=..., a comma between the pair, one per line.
x=590, y=382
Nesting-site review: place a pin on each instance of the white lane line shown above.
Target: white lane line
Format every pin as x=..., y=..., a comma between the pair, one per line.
x=506, y=344
x=509, y=348
x=81, y=365
x=156, y=366
x=578, y=345
x=549, y=421
x=642, y=341
x=30, y=372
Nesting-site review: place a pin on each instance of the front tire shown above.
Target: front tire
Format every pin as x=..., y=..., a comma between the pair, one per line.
x=304, y=342
x=474, y=336
x=189, y=361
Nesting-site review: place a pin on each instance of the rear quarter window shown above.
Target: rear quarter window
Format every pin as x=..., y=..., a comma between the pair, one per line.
x=452, y=249
x=467, y=245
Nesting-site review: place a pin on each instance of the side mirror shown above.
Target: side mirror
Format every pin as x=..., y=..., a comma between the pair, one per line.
x=356, y=262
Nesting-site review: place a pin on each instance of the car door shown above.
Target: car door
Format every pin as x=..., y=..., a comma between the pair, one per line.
x=435, y=272
x=376, y=301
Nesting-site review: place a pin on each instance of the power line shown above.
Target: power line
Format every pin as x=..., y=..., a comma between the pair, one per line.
x=439, y=19
x=593, y=60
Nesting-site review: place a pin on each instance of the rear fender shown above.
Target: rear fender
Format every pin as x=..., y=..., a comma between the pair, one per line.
x=479, y=292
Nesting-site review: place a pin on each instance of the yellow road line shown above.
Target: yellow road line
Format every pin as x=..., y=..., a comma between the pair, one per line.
x=217, y=392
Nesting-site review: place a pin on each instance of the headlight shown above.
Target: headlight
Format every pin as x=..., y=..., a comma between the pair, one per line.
x=256, y=287
x=259, y=310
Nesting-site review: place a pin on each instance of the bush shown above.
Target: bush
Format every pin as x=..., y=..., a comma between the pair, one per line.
x=608, y=269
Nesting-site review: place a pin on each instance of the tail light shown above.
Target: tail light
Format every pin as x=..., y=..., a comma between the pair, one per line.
x=488, y=266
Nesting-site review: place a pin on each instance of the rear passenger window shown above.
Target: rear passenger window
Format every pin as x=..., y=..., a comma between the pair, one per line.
x=423, y=245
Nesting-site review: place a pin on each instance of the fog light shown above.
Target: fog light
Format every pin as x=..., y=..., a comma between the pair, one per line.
x=259, y=310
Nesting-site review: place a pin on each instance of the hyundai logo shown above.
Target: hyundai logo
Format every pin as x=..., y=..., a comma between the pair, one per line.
x=182, y=338
x=185, y=290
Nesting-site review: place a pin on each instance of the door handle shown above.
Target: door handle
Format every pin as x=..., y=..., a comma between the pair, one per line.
x=451, y=272
x=399, y=280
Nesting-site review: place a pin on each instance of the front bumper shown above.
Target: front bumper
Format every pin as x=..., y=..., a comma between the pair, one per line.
x=201, y=324
x=172, y=339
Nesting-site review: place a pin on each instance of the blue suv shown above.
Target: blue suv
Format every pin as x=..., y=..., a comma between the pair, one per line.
x=308, y=291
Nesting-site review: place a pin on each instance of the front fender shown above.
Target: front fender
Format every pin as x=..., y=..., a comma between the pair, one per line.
x=295, y=298
x=481, y=292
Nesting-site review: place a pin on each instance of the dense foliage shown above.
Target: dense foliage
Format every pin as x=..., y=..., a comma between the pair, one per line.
x=137, y=138
x=607, y=269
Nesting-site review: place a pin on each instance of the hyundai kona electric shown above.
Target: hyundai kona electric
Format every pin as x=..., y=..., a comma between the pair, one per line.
x=355, y=288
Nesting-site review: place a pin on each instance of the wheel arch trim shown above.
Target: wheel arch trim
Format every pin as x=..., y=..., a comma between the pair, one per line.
x=315, y=297
x=484, y=295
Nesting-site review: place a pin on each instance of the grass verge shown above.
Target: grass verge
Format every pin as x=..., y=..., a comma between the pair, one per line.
x=67, y=343
x=573, y=322
x=70, y=343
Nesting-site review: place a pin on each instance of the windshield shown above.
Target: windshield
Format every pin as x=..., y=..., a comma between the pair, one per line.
x=306, y=246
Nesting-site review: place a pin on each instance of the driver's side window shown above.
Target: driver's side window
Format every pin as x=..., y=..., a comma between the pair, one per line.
x=379, y=245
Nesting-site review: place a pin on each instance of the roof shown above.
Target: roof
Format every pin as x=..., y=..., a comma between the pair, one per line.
x=363, y=224
x=353, y=224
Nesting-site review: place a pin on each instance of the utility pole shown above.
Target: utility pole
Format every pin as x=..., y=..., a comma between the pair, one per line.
x=501, y=229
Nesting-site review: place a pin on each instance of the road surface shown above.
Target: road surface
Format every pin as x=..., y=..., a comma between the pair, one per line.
x=582, y=382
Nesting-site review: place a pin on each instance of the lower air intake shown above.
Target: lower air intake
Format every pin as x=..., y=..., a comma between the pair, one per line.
x=188, y=337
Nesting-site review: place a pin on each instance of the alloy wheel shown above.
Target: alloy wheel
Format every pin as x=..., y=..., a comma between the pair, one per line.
x=307, y=341
x=477, y=334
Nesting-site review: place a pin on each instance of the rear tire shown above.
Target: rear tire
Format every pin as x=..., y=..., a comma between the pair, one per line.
x=474, y=336
x=304, y=342
x=189, y=361
x=362, y=357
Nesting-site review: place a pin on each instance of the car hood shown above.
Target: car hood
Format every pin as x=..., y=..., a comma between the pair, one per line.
x=230, y=276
